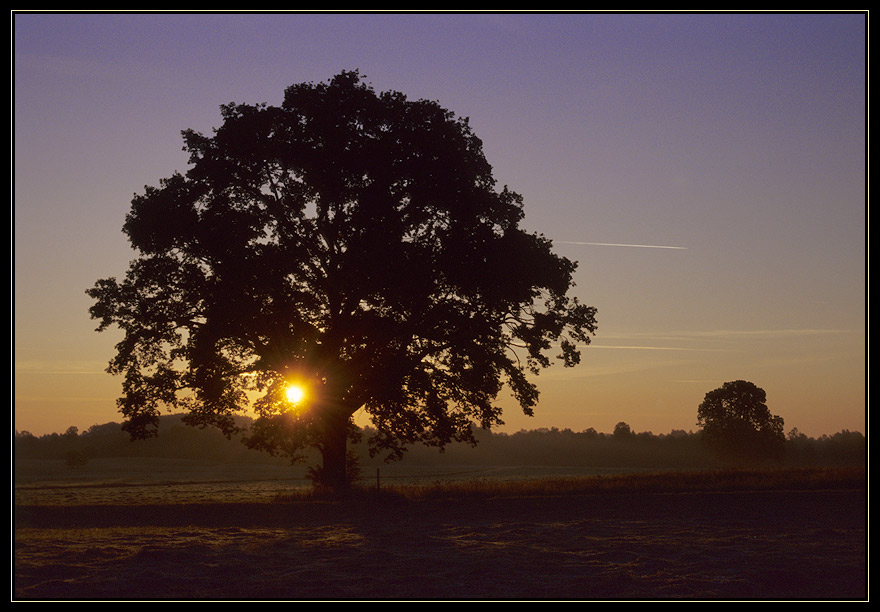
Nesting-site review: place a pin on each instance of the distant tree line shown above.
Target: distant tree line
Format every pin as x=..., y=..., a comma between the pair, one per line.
x=538, y=447
x=177, y=441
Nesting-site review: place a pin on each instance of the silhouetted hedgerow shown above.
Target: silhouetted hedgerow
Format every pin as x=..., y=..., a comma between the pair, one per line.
x=538, y=447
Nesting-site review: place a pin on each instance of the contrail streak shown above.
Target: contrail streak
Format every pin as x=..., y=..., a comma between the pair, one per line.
x=617, y=244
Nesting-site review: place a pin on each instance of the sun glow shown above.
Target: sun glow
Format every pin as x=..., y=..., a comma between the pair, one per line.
x=295, y=394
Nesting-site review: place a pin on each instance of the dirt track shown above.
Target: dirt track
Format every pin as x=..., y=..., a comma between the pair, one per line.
x=740, y=545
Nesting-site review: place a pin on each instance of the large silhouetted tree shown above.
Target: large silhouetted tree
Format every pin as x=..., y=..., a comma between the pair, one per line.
x=350, y=241
x=738, y=426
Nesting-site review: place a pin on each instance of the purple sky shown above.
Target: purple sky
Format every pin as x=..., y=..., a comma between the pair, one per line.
x=739, y=138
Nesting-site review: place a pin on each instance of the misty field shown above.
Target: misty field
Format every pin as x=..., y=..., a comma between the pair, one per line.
x=194, y=533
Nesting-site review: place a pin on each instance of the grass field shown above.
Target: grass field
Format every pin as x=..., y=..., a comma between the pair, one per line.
x=790, y=534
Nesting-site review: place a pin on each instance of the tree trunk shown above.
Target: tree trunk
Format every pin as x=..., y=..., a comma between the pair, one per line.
x=334, y=452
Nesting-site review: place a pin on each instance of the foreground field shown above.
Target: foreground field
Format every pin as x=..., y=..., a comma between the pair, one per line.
x=646, y=538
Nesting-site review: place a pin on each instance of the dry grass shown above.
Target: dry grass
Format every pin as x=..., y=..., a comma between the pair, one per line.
x=778, y=534
x=668, y=481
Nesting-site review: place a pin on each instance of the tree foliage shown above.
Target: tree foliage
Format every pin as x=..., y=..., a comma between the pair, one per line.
x=354, y=242
x=738, y=426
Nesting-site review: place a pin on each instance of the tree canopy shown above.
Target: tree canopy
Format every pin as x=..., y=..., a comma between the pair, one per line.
x=350, y=241
x=738, y=425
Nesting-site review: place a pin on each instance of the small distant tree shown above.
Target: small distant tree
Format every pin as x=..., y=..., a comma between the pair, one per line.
x=737, y=425
x=349, y=242
x=622, y=431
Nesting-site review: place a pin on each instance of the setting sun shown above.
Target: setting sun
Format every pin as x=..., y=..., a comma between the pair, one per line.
x=295, y=394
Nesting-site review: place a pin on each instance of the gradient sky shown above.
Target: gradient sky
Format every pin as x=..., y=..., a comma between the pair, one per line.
x=740, y=139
